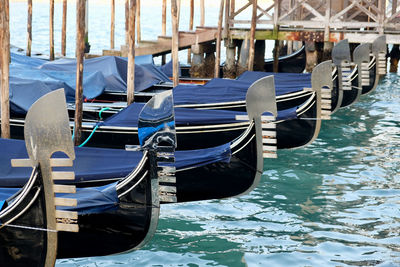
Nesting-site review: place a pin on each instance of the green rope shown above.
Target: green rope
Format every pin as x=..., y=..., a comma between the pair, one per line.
x=103, y=109
x=90, y=136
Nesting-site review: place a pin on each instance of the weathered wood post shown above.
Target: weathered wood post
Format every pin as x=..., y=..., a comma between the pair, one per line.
x=394, y=58
x=80, y=53
x=5, y=68
x=87, y=45
x=230, y=63
x=276, y=30
x=311, y=56
x=252, y=35
x=259, y=55
x=51, y=29
x=175, y=42
x=112, y=27
x=138, y=26
x=126, y=22
x=327, y=52
x=29, y=30
x=64, y=30
x=218, y=41
x=189, y=55
x=164, y=25
x=202, y=21
x=130, y=90
x=243, y=56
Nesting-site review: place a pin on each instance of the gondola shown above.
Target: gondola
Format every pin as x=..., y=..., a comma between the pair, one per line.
x=199, y=174
x=104, y=81
x=117, y=217
x=29, y=220
x=376, y=67
x=206, y=128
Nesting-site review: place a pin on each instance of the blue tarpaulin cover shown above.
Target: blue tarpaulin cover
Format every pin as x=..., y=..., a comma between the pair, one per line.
x=90, y=200
x=34, y=77
x=99, y=163
x=93, y=164
x=128, y=117
x=225, y=90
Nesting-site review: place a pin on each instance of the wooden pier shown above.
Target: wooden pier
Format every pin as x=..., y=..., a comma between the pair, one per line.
x=241, y=25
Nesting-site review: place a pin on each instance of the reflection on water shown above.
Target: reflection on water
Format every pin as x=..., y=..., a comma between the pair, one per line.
x=333, y=203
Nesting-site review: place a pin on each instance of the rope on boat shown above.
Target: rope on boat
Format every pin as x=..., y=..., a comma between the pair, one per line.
x=90, y=136
x=93, y=131
x=103, y=109
x=27, y=227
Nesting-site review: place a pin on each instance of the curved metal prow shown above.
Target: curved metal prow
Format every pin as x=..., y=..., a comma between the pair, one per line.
x=341, y=52
x=156, y=132
x=379, y=51
x=260, y=98
x=361, y=57
x=341, y=57
x=46, y=132
x=157, y=122
x=321, y=82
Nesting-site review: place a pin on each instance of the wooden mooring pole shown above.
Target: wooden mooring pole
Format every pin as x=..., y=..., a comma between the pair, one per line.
x=137, y=22
x=64, y=30
x=4, y=67
x=252, y=36
x=218, y=42
x=51, y=29
x=112, y=27
x=126, y=22
x=80, y=53
x=189, y=56
x=202, y=13
x=131, y=53
x=29, y=30
x=175, y=42
x=163, y=25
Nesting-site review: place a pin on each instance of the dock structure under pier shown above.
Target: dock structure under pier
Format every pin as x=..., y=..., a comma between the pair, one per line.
x=245, y=24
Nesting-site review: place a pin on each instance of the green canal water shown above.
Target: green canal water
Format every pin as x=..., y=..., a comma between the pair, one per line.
x=335, y=202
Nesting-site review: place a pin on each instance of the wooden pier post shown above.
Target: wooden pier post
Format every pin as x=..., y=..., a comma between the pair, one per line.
x=243, y=57
x=327, y=53
x=64, y=30
x=252, y=35
x=51, y=29
x=126, y=22
x=130, y=90
x=202, y=15
x=191, y=17
x=138, y=26
x=276, y=51
x=29, y=30
x=218, y=41
x=259, y=55
x=394, y=58
x=87, y=45
x=164, y=25
x=80, y=53
x=311, y=56
x=230, y=62
x=5, y=67
x=175, y=42
x=112, y=27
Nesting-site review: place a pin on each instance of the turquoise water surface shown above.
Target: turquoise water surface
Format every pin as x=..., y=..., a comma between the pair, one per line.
x=334, y=203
